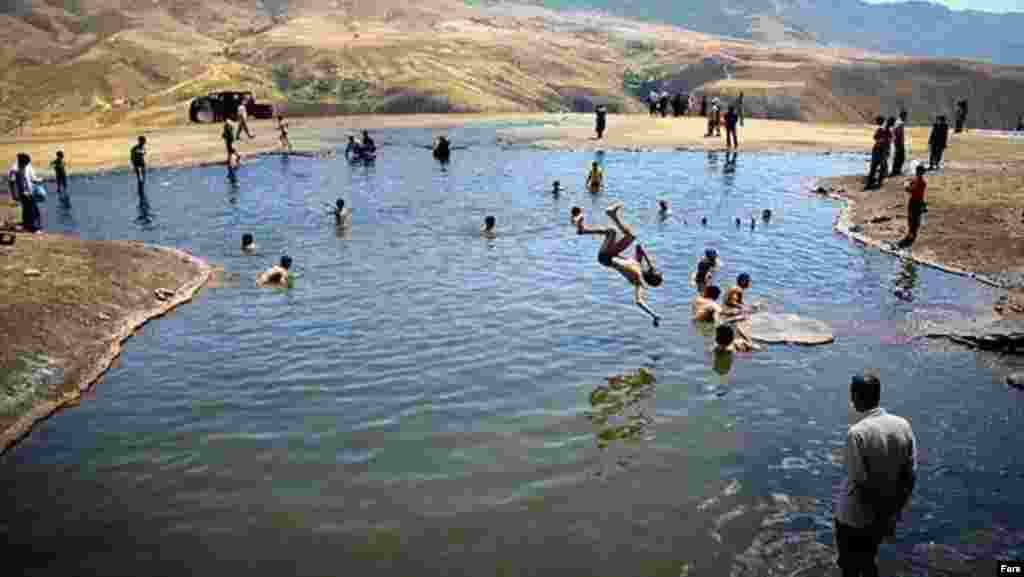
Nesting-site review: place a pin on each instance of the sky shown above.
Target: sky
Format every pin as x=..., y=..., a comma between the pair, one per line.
x=986, y=5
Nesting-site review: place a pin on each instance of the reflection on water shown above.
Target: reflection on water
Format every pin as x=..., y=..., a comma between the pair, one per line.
x=145, y=217
x=905, y=281
x=619, y=409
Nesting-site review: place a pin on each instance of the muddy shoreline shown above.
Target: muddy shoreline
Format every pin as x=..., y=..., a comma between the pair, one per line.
x=85, y=373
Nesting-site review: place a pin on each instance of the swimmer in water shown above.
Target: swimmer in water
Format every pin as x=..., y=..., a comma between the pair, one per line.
x=595, y=180
x=640, y=272
x=734, y=296
x=704, y=221
x=766, y=215
x=248, y=244
x=342, y=215
x=556, y=188
x=663, y=209
x=487, y=230
x=278, y=275
x=725, y=346
x=704, y=306
x=706, y=269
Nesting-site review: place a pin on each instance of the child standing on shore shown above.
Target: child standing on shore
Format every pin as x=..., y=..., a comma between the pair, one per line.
x=60, y=171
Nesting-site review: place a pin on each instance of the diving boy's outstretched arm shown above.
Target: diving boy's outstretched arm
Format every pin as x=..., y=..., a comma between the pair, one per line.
x=638, y=297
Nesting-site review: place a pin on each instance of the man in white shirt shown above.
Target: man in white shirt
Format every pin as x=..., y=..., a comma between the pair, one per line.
x=881, y=466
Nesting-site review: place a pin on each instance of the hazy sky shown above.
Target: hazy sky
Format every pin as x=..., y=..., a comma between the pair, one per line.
x=987, y=5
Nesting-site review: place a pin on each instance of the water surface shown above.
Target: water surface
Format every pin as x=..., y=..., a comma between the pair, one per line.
x=423, y=400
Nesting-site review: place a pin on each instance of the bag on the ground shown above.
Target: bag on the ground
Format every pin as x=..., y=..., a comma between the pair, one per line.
x=39, y=193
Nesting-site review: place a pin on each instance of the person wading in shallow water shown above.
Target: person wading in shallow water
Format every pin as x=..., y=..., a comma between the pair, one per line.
x=881, y=468
x=640, y=272
x=139, y=159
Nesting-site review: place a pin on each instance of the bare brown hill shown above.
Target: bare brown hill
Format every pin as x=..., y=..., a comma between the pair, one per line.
x=97, y=62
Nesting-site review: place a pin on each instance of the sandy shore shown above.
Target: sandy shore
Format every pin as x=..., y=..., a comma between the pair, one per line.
x=69, y=305
x=183, y=145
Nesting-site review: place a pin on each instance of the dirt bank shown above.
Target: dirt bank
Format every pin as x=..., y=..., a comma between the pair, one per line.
x=975, y=220
x=68, y=305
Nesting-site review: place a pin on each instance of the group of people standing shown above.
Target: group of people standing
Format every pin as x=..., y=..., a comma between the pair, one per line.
x=27, y=189
x=659, y=103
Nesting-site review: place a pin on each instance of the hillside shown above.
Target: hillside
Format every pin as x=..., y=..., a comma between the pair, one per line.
x=916, y=28
x=87, y=64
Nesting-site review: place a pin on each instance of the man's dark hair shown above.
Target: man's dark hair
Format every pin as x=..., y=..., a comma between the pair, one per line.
x=489, y=221
x=712, y=292
x=743, y=279
x=340, y=204
x=880, y=120
x=891, y=122
x=903, y=114
x=920, y=170
x=247, y=239
x=286, y=262
x=868, y=388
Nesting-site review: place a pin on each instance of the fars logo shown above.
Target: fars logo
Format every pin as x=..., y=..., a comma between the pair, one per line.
x=1011, y=569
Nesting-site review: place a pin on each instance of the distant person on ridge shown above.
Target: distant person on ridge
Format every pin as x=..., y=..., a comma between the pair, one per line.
x=640, y=272
x=937, y=141
x=600, y=114
x=899, y=143
x=739, y=108
x=243, y=119
x=139, y=159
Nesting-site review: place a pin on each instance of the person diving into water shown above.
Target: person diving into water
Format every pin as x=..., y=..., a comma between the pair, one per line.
x=639, y=271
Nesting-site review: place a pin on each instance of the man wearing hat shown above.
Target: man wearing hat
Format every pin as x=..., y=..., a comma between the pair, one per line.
x=881, y=466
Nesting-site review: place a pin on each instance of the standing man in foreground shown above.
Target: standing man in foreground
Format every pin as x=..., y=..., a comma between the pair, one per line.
x=937, y=141
x=881, y=466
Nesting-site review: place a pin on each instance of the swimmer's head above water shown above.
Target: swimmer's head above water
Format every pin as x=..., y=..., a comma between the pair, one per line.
x=712, y=292
x=286, y=262
x=489, y=223
x=743, y=281
x=663, y=205
x=248, y=242
x=766, y=214
x=340, y=205
x=711, y=254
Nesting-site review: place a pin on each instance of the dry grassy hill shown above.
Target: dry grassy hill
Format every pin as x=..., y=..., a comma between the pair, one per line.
x=97, y=63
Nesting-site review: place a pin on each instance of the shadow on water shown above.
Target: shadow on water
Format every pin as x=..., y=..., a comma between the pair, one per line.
x=145, y=217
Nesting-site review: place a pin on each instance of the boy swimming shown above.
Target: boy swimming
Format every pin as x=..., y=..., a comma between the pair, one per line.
x=595, y=180
x=276, y=275
x=640, y=272
x=487, y=230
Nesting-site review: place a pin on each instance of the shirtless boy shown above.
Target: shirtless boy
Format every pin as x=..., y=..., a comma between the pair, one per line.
x=595, y=180
x=640, y=272
x=277, y=275
x=734, y=296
